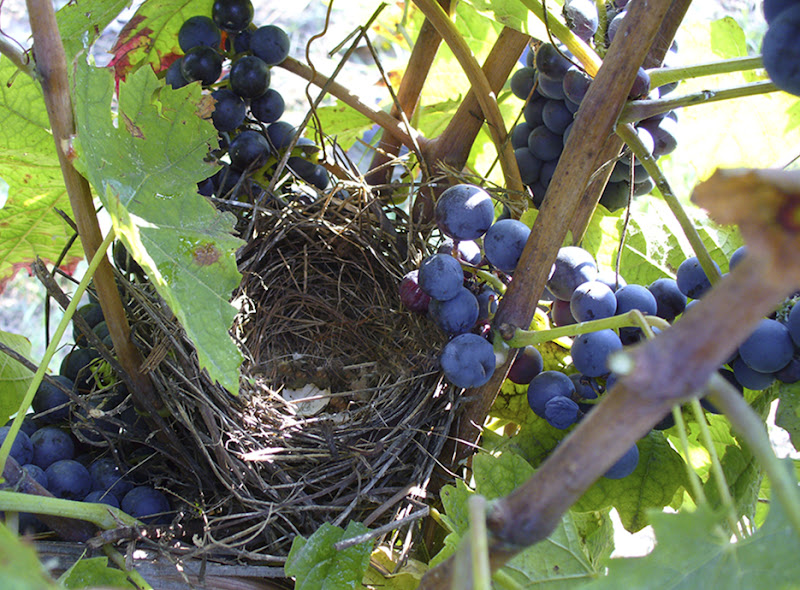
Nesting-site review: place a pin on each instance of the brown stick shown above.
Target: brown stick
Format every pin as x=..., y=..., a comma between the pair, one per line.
x=51, y=65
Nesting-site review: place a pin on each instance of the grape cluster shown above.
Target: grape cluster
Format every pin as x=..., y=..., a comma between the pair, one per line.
x=553, y=86
x=247, y=110
x=781, y=45
x=58, y=444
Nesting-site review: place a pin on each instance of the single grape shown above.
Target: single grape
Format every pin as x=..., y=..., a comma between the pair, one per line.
x=108, y=477
x=561, y=314
x=28, y=425
x=249, y=76
x=519, y=136
x=615, y=195
x=552, y=62
x=146, y=504
x=547, y=171
x=487, y=303
x=504, y=242
x=576, y=84
x=196, y=31
x=464, y=212
x=670, y=302
x=532, y=111
x=527, y=364
x=469, y=251
x=241, y=43
x=665, y=135
x=268, y=107
x=544, y=144
x=36, y=473
x=441, y=276
x=51, y=444
x=319, y=179
x=529, y=165
x=592, y=301
x=545, y=386
x=270, y=43
x=750, y=378
x=586, y=388
x=458, y=314
x=643, y=188
x=769, y=348
x=780, y=50
x=791, y=372
x=468, y=361
x=737, y=256
x=229, y=110
x=590, y=351
x=574, y=266
x=692, y=280
x=202, y=63
x=22, y=450
x=611, y=279
x=561, y=412
x=50, y=401
x=76, y=367
x=773, y=8
x=248, y=150
x=550, y=87
x=582, y=18
x=100, y=497
x=174, y=76
x=625, y=465
x=232, y=15
x=641, y=85
x=68, y=479
x=522, y=82
x=280, y=134
x=411, y=295
x=556, y=116
x=613, y=26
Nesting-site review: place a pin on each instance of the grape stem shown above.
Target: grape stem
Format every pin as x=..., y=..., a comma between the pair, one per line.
x=487, y=277
x=637, y=110
x=749, y=425
x=698, y=494
x=662, y=76
x=634, y=318
x=19, y=58
x=630, y=137
x=119, y=560
x=481, y=572
x=105, y=517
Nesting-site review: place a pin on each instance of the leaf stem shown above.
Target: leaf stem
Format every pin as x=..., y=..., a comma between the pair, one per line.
x=119, y=560
x=19, y=58
x=486, y=97
x=716, y=468
x=481, y=572
x=105, y=517
x=99, y=256
x=698, y=494
x=630, y=137
x=751, y=427
x=662, y=76
x=637, y=110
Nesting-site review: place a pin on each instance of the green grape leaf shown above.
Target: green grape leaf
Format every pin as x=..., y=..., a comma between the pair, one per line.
x=317, y=565
x=693, y=550
x=765, y=494
x=405, y=576
x=151, y=36
x=727, y=38
x=499, y=475
x=597, y=531
x=95, y=571
x=145, y=171
x=29, y=223
x=510, y=13
x=454, y=502
x=20, y=568
x=14, y=377
x=81, y=22
x=787, y=415
x=344, y=123
x=743, y=475
x=660, y=474
x=536, y=438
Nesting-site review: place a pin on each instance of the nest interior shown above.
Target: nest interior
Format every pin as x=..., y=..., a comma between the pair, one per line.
x=319, y=315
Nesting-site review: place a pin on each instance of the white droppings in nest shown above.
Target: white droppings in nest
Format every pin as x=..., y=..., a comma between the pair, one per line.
x=308, y=400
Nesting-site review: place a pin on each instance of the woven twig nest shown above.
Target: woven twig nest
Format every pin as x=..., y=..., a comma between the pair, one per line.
x=321, y=320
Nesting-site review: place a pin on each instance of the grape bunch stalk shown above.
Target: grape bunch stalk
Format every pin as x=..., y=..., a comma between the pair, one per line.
x=247, y=110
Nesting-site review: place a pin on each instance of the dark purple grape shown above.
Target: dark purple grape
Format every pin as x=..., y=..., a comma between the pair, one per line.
x=556, y=116
x=268, y=107
x=527, y=364
x=586, y=388
x=202, y=63
x=464, y=212
x=592, y=300
x=544, y=144
x=548, y=87
x=576, y=84
x=613, y=26
x=561, y=412
x=441, y=276
x=522, y=82
x=773, y=8
x=737, y=257
x=22, y=450
x=248, y=150
x=68, y=479
x=632, y=297
x=196, y=31
x=750, y=378
x=280, y=134
x=50, y=401
x=468, y=361
x=532, y=111
x=487, y=303
x=249, y=77
x=36, y=473
x=504, y=242
x=670, y=302
x=232, y=15
x=692, y=280
x=270, y=43
x=547, y=171
x=229, y=111
x=99, y=497
x=582, y=18
x=574, y=266
x=51, y=444
x=625, y=465
x=551, y=62
x=319, y=178
x=561, y=314
x=780, y=50
x=641, y=84
x=615, y=195
x=611, y=279
x=665, y=135
x=769, y=348
x=793, y=323
x=529, y=165
x=791, y=372
x=545, y=386
x=411, y=295
x=108, y=477
x=457, y=315
x=590, y=352
x=146, y=504
x=241, y=43
x=519, y=135
x=643, y=188
x=75, y=367
x=174, y=76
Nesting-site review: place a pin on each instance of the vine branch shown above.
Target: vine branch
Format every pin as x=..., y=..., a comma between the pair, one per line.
x=18, y=57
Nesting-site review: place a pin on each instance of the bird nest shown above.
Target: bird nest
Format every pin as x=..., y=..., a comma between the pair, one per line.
x=342, y=410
